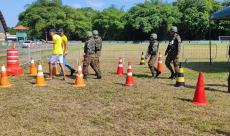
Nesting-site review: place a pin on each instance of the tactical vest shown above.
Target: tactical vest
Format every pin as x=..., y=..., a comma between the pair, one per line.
x=153, y=44
x=90, y=46
x=98, y=44
x=173, y=42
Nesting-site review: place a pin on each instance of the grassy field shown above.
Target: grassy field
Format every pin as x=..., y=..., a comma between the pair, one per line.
x=105, y=107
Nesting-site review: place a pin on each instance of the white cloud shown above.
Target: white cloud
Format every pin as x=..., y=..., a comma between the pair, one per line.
x=96, y=4
x=76, y=6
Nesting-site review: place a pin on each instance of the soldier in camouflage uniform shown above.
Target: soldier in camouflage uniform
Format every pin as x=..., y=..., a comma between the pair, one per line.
x=89, y=50
x=152, y=52
x=98, y=47
x=173, y=52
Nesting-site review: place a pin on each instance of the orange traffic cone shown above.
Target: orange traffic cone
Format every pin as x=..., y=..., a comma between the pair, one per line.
x=129, y=78
x=4, y=79
x=120, y=67
x=31, y=45
x=160, y=66
x=55, y=70
x=33, y=70
x=199, y=97
x=79, y=79
x=40, y=81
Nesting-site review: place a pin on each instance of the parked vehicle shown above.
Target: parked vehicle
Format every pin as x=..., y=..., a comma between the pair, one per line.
x=27, y=44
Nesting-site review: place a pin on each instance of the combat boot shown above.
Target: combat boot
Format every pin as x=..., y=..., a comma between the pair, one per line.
x=175, y=76
x=158, y=73
x=98, y=75
x=172, y=76
x=99, y=71
x=85, y=77
x=152, y=77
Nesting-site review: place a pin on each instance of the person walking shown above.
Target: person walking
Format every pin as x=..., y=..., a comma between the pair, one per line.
x=65, y=52
x=57, y=56
x=89, y=50
x=173, y=52
x=152, y=52
x=98, y=48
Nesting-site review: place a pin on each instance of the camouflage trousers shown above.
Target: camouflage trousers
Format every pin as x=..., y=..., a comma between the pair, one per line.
x=96, y=60
x=172, y=57
x=151, y=63
x=89, y=61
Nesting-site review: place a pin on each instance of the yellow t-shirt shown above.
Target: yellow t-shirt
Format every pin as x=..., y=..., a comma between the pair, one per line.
x=64, y=39
x=57, y=46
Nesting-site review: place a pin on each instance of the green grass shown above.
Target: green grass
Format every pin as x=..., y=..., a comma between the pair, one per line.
x=105, y=107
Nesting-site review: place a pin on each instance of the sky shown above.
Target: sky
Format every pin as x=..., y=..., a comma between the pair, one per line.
x=12, y=8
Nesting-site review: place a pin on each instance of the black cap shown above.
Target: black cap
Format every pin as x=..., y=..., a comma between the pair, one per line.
x=60, y=30
x=52, y=30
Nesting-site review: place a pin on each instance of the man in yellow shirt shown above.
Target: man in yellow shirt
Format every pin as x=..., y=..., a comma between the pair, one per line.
x=65, y=51
x=57, y=56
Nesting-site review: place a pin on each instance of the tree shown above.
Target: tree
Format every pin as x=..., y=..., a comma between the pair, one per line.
x=149, y=17
x=109, y=23
x=195, y=19
x=225, y=3
x=43, y=15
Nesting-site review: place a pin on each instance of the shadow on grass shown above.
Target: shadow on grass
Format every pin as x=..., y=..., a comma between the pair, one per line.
x=206, y=88
x=183, y=99
x=119, y=84
x=113, y=73
x=223, y=132
x=222, y=85
x=141, y=76
x=71, y=77
x=216, y=67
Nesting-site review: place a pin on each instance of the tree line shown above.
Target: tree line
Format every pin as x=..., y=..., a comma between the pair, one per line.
x=113, y=23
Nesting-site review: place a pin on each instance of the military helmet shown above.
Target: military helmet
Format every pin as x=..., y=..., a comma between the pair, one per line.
x=173, y=29
x=89, y=34
x=95, y=32
x=154, y=36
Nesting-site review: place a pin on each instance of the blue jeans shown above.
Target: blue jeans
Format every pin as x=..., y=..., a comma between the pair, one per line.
x=66, y=64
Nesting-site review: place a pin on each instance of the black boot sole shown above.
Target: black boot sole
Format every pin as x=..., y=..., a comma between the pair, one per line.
x=157, y=74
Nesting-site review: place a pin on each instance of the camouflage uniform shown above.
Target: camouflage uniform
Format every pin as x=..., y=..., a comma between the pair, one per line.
x=89, y=50
x=153, y=57
x=173, y=49
x=98, y=47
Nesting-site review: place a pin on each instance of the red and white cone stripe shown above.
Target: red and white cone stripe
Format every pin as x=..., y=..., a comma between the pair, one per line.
x=39, y=67
x=79, y=69
x=3, y=68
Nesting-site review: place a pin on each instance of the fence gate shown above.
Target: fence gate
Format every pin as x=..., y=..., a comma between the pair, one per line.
x=199, y=51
